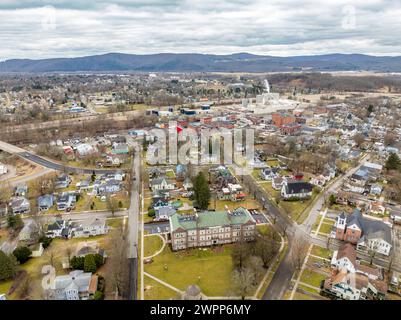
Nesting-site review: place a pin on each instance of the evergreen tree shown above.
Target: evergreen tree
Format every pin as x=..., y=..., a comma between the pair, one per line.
x=14, y=222
x=393, y=162
x=201, y=192
x=90, y=263
x=7, y=266
x=22, y=254
x=77, y=263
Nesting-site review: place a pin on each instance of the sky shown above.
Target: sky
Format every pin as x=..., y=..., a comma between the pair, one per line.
x=37, y=29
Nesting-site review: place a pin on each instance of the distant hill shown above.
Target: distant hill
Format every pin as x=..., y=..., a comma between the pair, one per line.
x=168, y=62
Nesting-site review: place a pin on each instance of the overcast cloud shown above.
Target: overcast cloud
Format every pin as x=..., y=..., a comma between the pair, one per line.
x=61, y=28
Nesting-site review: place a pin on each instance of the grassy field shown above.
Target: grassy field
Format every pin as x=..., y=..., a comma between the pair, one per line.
x=152, y=245
x=209, y=269
x=301, y=296
x=157, y=291
x=321, y=252
x=326, y=228
x=312, y=278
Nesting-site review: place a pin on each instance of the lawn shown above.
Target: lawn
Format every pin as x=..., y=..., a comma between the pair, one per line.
x=312, y=278
x=326, y=228
x=269, y=189
x=248, y=203
x=207, y=268
x=5, y=286
x=115, y=223
x=272, y=163
x=152, y=245
x=321, y=252
x=317, y=222
x=301, y=296
x=170, y=174
x=156, y=291
x=307, y=289
x=294, y=208
x=256, y=174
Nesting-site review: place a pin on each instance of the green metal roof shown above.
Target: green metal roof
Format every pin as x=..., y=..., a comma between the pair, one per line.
x=207, y=219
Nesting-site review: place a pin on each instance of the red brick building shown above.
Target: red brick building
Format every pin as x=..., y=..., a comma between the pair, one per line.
x=282, y=119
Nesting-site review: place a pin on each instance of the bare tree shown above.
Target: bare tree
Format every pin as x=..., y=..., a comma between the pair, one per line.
x=24, y=288
x=118, y=264
x=266, y=248
x=298, y=252
x=243, y=282
x=51, y=257
x=112, y=204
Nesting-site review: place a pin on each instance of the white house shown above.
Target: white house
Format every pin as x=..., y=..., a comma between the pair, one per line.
x=267, y=174
x=161, y=184
x=344, y=258
x=77, y=285
x=89, y=228
x=277, y=183
x=3, y=169
x=296, y=189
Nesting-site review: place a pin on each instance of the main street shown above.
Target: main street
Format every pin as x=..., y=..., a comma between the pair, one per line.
x=133, y=223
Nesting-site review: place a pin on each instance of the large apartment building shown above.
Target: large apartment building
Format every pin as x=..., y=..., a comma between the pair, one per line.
x=209, y=228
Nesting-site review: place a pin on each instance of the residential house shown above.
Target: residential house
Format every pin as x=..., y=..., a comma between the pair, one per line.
x=63, y=181
x=353, y=286
x=162, y=184
x=3, y=169
x=377, y=208
x=77, y=285
x=164, y=212
x=89, y=228
x=66, y=201
x=211, y=228
x=58, y=229
x=346, y=258
x=187, y=184
x=376, y=189
x=233, y=192
x=120, y=148
x=268, y=174
x=296, y=190
x=21, y=191
x=277, y=183
x=45, y=202
x=20, y=205
x=367, y=234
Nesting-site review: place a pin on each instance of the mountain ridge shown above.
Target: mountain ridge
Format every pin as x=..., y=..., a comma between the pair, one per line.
x=196, y=62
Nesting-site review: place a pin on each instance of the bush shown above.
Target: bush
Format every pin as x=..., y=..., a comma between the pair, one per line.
x=22, y=254
x=152, y=213
x=45, y=241
x=77, y=263
x=99, y=295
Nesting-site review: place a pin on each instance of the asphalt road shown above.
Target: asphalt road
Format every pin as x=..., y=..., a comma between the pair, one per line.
x=59, y=167
x=133, y=225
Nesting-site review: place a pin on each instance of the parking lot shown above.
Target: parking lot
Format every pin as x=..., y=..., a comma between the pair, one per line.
x=259, y=217
x=157, y=227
